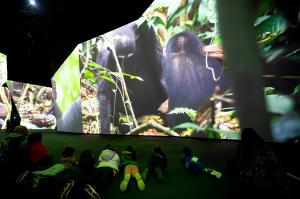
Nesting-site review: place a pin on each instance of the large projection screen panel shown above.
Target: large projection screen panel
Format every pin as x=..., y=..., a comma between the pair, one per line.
x=5, y=106
x=66, y=86
x=175, y=71
x=3, y=68
x=34, y=104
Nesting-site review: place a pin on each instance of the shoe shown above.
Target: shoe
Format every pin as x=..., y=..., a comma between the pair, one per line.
x=91, y=192
x=36, y=183
x=145, y=174
x=67, y=188
x=22, y=177
x=123, y=185
x=216, y=173
x=140, y=182
x=159, y=174
x=141, y=185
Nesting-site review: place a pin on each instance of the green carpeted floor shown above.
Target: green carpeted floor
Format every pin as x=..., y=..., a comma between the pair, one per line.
x=216, y=154
x=178, y=182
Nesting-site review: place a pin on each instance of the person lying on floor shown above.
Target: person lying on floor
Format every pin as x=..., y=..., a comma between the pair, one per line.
x=81, y=185
x=194, y=166
x=67, y=161
x=157, y=164
x=130, y=165
x=107, y=168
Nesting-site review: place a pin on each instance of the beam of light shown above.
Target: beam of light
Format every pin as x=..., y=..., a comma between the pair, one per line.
x=32, y=2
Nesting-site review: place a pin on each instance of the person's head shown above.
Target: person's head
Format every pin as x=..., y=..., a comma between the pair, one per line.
x=249, y=136
x=87, y=160
x=157, y=149
x=34, y=137
x=187, y=150
x=107, y=154
x=21, y=129
x=68, y=152
x=110, y=147
x=129, y=150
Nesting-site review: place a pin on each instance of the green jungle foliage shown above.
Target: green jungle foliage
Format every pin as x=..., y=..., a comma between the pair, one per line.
x=67, y=80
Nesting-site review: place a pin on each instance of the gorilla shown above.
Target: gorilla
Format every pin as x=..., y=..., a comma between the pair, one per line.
x=189, y=76
x=139, y=53
x=179, y=74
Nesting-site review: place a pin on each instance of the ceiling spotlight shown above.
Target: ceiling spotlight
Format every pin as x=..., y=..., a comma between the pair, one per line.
x=32, y=2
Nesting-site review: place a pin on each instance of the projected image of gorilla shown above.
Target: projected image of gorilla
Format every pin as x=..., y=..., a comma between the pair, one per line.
x=131, y=52
x=189, y=76
x=126, y=77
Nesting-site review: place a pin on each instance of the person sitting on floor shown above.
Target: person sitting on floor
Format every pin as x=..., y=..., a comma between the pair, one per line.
x=38, y=154
x=259, y=168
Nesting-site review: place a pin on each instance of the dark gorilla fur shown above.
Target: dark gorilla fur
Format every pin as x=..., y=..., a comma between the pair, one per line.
x=187, y=80
x=139, y=53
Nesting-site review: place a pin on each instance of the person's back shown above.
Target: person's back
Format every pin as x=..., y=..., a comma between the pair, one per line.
x=79, y=186
x=68, y=159
x=38, y=154
x=109, y=158
x=15, y=150
x=193, y=164
x=259, y=167
x=107, y=168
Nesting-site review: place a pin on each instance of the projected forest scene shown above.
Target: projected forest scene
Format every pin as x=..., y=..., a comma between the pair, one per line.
x=5, y=106
x=3, y=68
x=166, y=74
x=34, y=104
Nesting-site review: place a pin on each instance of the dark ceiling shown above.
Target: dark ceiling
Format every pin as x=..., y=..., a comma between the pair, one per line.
x=37, y=39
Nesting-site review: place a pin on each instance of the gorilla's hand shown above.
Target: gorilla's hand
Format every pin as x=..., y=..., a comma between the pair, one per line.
x=164, y=107
x=214, y=51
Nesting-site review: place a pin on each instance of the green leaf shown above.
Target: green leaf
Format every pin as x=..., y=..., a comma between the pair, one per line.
x=271, y=28
x=269, y=90
x=103, y=73
x=207, y=12
x=261, y=19
x=111, y=80
x=207, y=35
x=229, y=134
x=297, y=89
x=190, y=126
x=119, y=74
x=158, y=21
x=95, y=65
x=174, y=15
x=265, y=6
x=182, y=110
x=279, y=104
x=217, y=40
x=88, y=74
x=273, y=54
x=67, y=80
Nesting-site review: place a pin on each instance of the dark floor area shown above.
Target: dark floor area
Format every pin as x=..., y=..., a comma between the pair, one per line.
x=217, y=154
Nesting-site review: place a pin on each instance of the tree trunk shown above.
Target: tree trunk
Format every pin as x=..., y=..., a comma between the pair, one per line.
x=236, y=19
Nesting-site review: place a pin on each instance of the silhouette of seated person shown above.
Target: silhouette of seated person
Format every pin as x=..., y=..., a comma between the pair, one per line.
x=15, y=154
x=259, y=169
x=39, y=158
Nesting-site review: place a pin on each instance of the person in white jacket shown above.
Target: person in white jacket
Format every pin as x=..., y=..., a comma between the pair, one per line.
x=107, y=168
